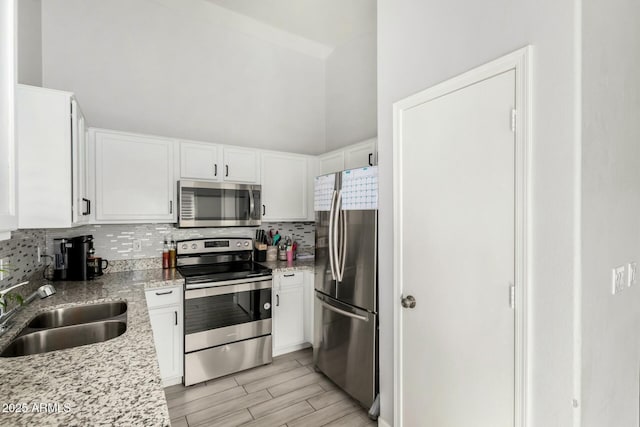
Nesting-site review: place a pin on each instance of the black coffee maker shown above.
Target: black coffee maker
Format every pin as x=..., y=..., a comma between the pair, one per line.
x=71, y=256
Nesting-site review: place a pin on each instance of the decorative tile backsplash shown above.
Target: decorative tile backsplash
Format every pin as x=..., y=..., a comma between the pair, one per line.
x=115, y=241
x=20, y=253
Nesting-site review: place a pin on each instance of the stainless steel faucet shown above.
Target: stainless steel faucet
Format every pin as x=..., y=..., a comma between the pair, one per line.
x=43, y=291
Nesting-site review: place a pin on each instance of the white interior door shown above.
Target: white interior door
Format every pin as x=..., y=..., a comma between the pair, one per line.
x=458, y=218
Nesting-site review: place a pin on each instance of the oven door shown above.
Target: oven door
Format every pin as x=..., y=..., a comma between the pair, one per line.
x=226, y=313
x=214, y=204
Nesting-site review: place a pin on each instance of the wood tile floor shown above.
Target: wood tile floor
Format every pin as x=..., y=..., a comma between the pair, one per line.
x=287, y=392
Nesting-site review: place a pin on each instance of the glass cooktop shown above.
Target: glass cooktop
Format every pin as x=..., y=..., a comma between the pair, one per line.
x=221, y=272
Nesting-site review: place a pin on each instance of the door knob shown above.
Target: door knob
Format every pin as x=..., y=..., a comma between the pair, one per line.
x=408, y=302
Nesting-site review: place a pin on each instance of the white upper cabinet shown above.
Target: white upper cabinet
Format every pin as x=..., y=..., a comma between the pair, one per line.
x=135, y=180
x=285, y=186
x=200, y=161
x=8, y=205
x=331, y=162
x=52, y=156
x=355, y=156
x=241, y=165
x=361, y=154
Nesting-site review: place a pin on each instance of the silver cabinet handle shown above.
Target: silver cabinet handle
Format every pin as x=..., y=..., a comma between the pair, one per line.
x=176, y=313
x=408, y=302
x=290, y=275
x=215, y=169
x=277, y=300
x=164, y=293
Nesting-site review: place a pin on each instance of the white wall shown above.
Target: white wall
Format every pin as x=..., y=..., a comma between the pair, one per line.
x=610, y=211
x=423, y=42
x=351, y=102
x=30, y=42
x=184, y=68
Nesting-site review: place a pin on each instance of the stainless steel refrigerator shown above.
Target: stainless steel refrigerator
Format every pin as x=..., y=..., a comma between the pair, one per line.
x=346, y=293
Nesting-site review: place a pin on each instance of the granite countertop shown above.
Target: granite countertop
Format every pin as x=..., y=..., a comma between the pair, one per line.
x=281, y=266
x=116, y=382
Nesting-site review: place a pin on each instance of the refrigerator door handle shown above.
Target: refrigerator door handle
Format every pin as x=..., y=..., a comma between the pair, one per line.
x=342, y=312
x=331, y=212
x=337, y=235
x=343, y=237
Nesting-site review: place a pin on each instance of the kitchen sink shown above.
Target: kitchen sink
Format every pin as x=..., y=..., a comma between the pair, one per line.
x=77, y=315
x=64, y=337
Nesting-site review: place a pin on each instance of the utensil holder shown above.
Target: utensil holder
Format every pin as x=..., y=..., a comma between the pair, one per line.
x=272, y=253
x=259, y=255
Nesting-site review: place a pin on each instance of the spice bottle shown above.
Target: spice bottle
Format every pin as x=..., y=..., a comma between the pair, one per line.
x=172, y=254
x=165, y=254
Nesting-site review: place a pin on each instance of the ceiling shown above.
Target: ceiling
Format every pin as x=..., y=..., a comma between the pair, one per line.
x=330, y=22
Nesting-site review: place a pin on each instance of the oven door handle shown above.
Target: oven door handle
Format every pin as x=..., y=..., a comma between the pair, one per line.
x=229, y=289
x=248, y=279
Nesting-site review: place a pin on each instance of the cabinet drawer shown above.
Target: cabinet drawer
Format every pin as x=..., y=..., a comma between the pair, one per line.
x=291, y=278
x=163, y=296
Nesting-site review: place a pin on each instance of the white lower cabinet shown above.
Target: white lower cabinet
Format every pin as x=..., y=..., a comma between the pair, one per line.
x=289, y=312
x=165, y=313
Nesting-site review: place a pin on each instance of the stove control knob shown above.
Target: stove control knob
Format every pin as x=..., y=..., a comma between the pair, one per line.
x=184, y=246
x=194, y=246
x=238, y=244
x=246, y=243
x=267, y=306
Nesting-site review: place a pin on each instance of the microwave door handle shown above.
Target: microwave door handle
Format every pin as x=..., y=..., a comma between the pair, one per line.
x=252, y=206
x=333, y=202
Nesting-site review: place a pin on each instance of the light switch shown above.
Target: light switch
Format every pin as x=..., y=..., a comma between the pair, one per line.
x=617, y=279
x=632, y=269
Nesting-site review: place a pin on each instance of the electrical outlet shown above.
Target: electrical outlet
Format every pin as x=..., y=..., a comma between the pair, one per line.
x=632, y=269
x=137, y=245
x=617, y=279
x=39, y=254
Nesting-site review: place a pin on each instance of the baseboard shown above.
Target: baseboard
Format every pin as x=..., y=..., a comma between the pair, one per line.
x=166, y=382
x=383, y=423
x=290, y=349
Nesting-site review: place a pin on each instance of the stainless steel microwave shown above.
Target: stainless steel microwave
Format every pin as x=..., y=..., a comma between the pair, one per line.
x=218, y=204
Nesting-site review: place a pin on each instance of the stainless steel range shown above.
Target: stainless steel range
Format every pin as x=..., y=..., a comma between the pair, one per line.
x=227, y=308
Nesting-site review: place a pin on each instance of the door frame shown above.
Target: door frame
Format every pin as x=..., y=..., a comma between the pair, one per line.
x=520, y=61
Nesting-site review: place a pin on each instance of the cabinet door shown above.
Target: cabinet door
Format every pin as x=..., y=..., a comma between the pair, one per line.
x=166, y=324
x=288, y=317
x=284, y=187
x=360, y=155
x=200, y=161
x=332, y=162
x=134, y=178
x=241, y=165
x=81, y=203
x=8, y=218
x=309, y=296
